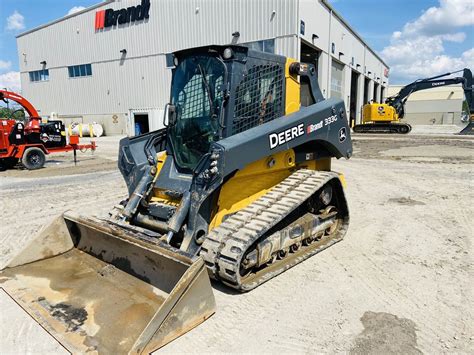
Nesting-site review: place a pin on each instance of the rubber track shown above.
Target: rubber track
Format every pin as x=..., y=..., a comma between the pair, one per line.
x=381, y=128
x=224, y=247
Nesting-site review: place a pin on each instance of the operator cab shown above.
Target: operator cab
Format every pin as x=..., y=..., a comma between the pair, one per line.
x=219, y=91
x=216, y=92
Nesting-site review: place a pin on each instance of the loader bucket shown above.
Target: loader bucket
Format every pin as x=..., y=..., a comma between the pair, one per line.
x=96, y=287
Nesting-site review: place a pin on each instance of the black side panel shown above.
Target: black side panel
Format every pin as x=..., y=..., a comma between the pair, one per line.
x=323, y=125
x=17, y=135
x=136, y=154
x=53, y=134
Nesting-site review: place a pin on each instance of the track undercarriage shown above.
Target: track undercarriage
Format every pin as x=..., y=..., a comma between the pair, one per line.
x=299, y=217
x=385, y=127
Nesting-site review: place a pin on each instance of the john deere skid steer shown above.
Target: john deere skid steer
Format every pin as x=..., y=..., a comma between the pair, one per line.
x=238, y=187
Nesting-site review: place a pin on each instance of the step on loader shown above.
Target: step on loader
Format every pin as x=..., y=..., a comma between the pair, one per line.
x=237, y=187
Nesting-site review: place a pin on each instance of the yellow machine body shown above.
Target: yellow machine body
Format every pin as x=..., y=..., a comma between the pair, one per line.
x=373, y=113
x=381, y=118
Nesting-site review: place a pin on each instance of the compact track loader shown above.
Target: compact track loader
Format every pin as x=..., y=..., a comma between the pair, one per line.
x=238, y=187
